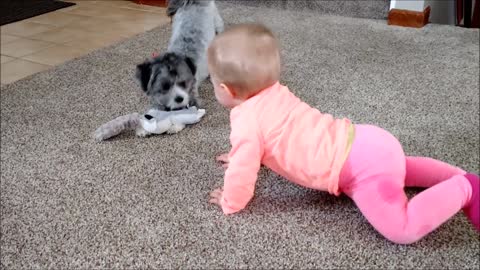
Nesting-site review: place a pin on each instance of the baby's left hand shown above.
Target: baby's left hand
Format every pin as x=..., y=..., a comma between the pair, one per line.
x=223, y=158
x=216, y=196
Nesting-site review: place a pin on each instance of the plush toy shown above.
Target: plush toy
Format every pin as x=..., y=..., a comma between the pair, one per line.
x=153, y=122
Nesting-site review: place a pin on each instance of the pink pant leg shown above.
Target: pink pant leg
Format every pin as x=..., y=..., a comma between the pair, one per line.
x=374, y=177
x=385, y=205
x=426, y=172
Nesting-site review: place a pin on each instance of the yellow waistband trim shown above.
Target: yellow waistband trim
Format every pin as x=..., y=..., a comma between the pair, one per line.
x=350, y=137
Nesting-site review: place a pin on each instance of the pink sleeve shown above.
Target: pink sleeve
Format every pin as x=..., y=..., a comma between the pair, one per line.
x=244, y=162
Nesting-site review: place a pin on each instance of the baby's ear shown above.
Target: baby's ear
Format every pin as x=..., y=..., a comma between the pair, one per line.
x=143, y=73
x=191, y=64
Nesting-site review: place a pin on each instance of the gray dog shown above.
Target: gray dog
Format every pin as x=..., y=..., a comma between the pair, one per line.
x=171, y=80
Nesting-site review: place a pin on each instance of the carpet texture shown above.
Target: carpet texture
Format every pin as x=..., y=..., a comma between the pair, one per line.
x=70, y=203
x=373, y=9
x=17, y=10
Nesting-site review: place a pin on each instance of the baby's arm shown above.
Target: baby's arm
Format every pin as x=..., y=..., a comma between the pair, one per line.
x=244, y=163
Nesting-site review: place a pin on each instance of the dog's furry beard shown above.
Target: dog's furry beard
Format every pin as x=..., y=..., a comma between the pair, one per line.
x=169, y=81
x=172, y=79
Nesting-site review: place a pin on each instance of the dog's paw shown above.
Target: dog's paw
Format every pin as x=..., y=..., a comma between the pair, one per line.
x=175, y=128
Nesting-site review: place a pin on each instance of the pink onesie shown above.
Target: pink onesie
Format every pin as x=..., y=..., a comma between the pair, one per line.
x=276, y=129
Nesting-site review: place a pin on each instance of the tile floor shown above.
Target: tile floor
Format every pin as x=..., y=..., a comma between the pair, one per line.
x=39, y=43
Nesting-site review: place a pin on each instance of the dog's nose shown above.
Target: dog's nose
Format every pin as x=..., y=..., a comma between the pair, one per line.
x=178, y=99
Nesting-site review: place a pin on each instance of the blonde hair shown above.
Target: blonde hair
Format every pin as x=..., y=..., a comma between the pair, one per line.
x=246, y=58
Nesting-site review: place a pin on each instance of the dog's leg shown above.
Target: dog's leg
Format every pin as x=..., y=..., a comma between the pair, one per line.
x=195, y=100
x=199, y=78
x=218, y=21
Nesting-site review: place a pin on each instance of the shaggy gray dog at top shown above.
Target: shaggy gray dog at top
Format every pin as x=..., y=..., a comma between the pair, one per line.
x=171, y=80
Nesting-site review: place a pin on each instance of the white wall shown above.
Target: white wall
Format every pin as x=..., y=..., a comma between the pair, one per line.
x=442, y=11
x=414, y=5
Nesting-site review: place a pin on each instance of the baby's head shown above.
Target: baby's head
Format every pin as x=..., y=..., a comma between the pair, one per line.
x=242, y=61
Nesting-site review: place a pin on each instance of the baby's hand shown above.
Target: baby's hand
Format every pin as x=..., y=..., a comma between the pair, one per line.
x=216, y=196
x=223, y=158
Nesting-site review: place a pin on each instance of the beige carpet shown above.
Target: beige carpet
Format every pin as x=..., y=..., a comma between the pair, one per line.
x=70, y=203
x=371, y=9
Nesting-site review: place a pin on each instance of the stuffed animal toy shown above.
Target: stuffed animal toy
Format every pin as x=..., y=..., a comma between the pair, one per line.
x=153, y=122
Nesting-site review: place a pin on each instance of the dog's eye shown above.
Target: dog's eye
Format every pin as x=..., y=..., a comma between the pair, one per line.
x=173, y=73
x=166, y=86
x=182, y=84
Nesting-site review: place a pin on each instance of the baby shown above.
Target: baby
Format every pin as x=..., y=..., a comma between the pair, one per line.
x=271, y=126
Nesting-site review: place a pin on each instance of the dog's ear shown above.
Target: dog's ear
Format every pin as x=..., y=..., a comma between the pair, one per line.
x=191, y=64
x=143, y=74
